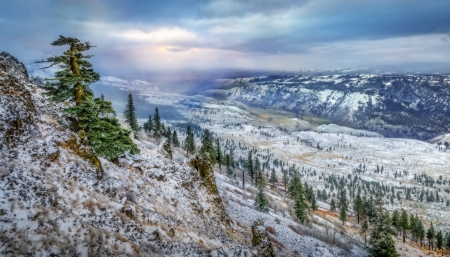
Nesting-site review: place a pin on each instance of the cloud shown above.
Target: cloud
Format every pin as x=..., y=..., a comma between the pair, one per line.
x=143, y=36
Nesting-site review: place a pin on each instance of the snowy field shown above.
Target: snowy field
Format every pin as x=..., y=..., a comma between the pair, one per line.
x=332, y=149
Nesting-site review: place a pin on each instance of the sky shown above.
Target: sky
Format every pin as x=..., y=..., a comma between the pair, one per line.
x=144, y=38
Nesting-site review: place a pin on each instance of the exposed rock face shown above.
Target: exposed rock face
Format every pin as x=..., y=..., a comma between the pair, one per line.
x=17, y=112
x=204, y=167
x=261, y=240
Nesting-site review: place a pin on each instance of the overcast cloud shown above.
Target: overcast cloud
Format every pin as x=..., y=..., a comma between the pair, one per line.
x=149, y=37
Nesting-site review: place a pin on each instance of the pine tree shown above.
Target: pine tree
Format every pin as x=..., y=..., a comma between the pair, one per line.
x=219, y=157
x=430, y=236
x=167, y=148
x=189, y=142
x=157, y=126
x=90, y=116
x=130, y=114
x=207, y=146
x=175, y=141
x=447, y=240
x=228, y=164
x=332, y=205
x=358, y=205
x=285, y=179
x=439, y=240
x=72, y=82
x=364, y=230
x=381, y=243
x=261, y=202
x=105, y=107
x=404, y=224
x=249, y=166
x=300, y=206
x=273, y=177
x=342, y=214
x=148, y=126
x=257, y=170
x=343, y=206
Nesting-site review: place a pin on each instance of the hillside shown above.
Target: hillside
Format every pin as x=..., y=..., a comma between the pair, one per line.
x=53, y=201
x=411, y=106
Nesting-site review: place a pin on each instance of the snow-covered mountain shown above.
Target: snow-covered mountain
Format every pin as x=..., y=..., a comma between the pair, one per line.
x=52, y=202
x=393, y=105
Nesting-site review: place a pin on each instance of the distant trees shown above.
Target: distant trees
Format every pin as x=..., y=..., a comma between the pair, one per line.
x=130, y=115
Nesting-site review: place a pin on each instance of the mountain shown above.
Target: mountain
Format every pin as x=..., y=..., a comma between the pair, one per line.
x=54, y=203
x=413, y=106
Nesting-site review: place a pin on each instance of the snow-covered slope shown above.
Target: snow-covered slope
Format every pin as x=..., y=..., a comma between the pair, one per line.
x=414, y=106
x=53, y=202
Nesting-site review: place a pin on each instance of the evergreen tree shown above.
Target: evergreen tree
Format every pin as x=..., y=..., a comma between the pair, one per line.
x=175, y=141
x=364, y=230
x=148, y=125
x=232, y=158
x=358, y=205
x=447, y=241
x=130, y=114
x=189, y=142
x=404, y=224
x=207, y=145
x=105, y=107
x=343, y=206
x=228, y=164
x=273, y=177
x=261, y=202
x=257, y=170
x=439, y=240
x=167, y=148
x=157, y=126
x=219, y=157
x=300, y=206
x=249, y=166
x=90, y=116
x=381, y=243
x=342, y=214
x=285, y=179
x=332, y=205
x=72, y=82
x=430, y=236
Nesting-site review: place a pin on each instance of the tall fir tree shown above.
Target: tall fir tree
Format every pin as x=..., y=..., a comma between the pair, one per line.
x=364, y=230
x=404, y=224
x=273, y=177
x=257, y=170
x=72, y=82
x=219, y=156
x=189, y=142
x=157, y=126
x=261, y=202
x=250, y=166
x=381, y=243
x=175, y=141
x=148, y=126
x=130, y=114
x=439, y=240
x=358, y=205
x=332, y=205
x=430, y=236
x=90, y=116
x=228, y=164
x=207, y=145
